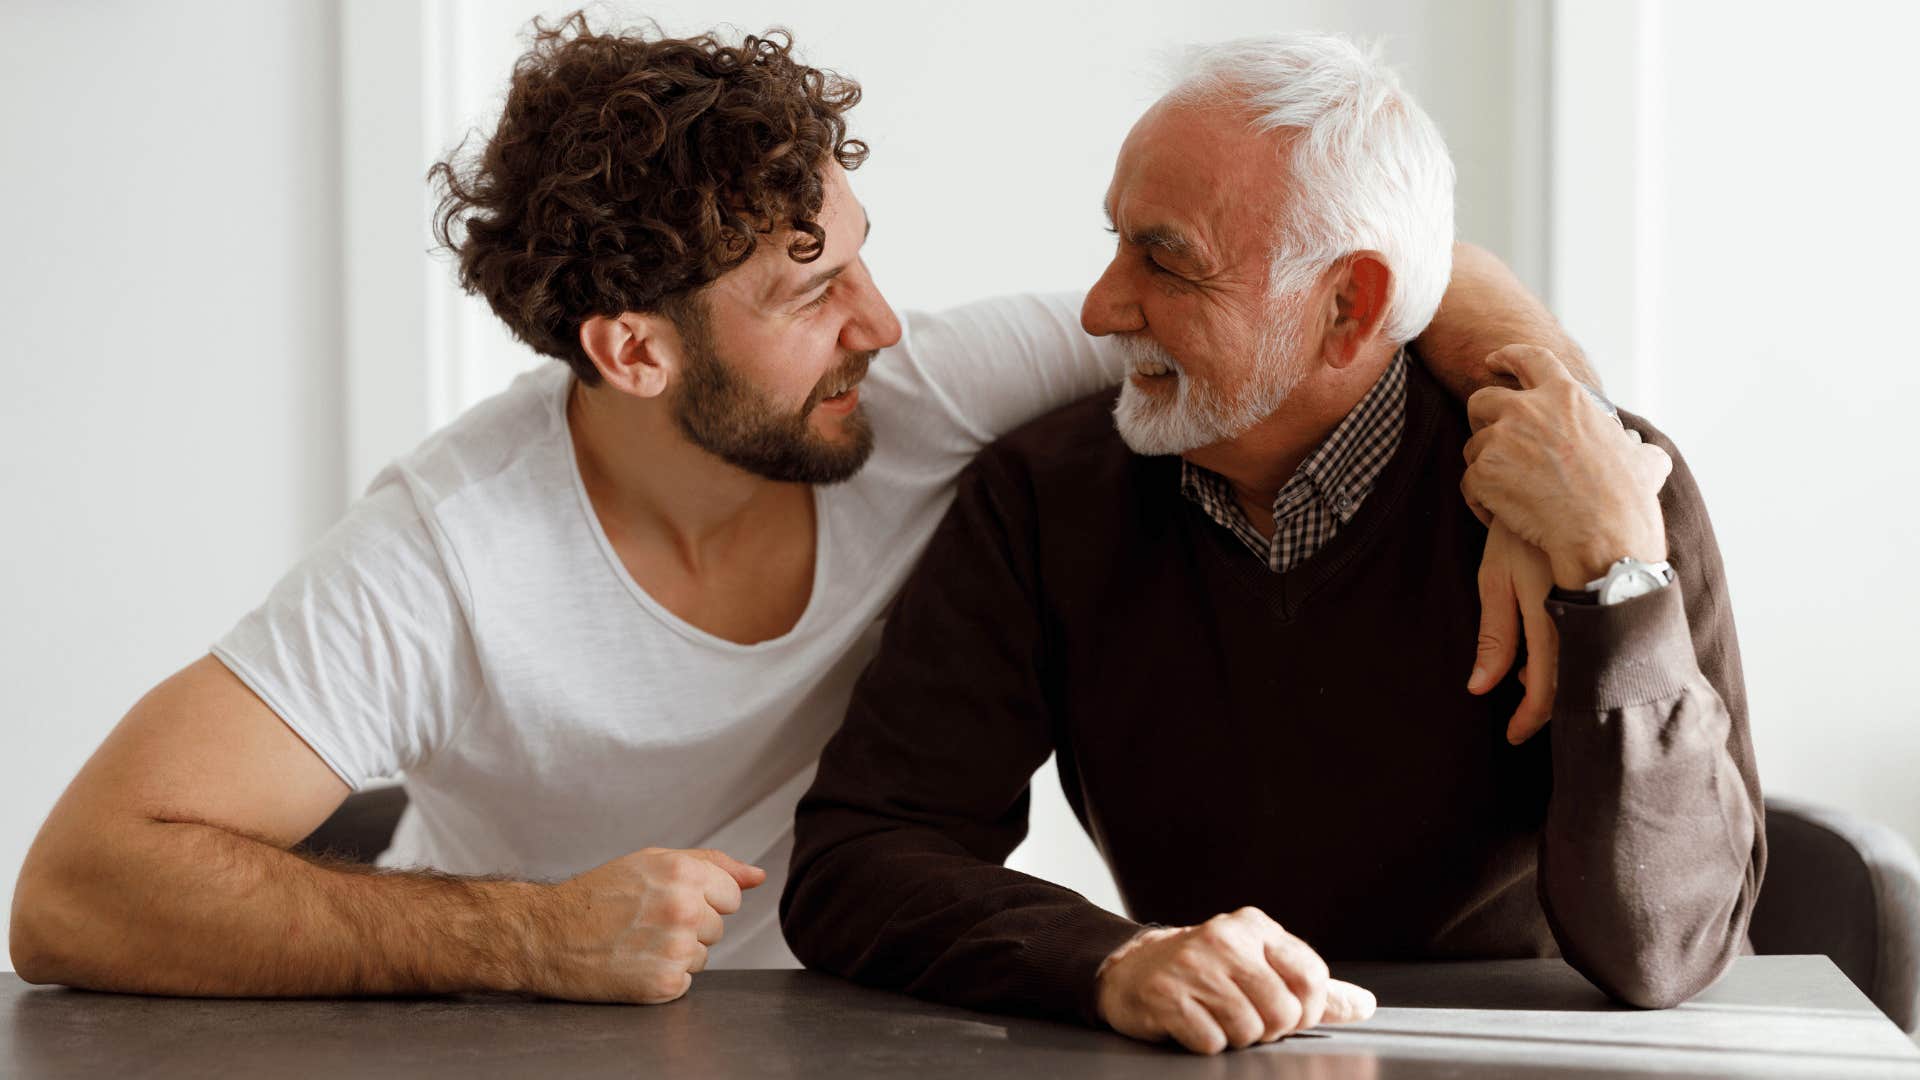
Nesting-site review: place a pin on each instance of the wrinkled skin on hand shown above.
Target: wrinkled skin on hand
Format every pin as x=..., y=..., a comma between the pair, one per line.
x=1236, y=980
x=1548, y=462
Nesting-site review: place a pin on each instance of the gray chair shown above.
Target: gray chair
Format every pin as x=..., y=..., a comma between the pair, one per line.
x=1848, y=889
x=1836, y=886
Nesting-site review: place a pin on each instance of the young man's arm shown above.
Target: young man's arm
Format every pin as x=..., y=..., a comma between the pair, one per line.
x=1485, y=309
x=163, y=869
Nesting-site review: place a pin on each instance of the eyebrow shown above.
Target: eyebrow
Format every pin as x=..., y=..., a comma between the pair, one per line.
x=825, y=276
x=1158, y=237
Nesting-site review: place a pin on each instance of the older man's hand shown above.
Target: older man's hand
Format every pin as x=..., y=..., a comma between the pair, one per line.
x=1232, y=981
x=1514, y=581
x=1550, y=464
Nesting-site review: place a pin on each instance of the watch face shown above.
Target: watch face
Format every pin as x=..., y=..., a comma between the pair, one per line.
x=1637, y=581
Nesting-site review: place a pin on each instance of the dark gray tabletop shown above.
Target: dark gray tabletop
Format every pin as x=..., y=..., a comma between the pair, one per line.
x=1771, y=1016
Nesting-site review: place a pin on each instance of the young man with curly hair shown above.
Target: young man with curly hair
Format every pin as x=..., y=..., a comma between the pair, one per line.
x=621, y=604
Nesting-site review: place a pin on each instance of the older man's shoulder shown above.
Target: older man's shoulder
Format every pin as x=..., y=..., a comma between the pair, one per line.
x=1681, y=502
x=1067, y=439
x=1071, y=465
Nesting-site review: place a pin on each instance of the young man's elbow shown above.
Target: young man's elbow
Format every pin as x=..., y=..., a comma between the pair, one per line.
x=38, y=945
x=61, y=920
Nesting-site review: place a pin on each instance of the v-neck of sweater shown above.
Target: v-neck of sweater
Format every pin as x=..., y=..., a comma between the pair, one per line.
x=1289, y=592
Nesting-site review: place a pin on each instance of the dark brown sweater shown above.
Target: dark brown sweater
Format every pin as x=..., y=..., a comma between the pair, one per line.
x=1299, y=742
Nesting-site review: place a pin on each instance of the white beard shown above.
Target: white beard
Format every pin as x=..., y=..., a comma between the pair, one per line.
x=1198, y=414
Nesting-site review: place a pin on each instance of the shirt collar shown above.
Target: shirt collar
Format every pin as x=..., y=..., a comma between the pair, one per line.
x=1346, y=463
x=1336, y=477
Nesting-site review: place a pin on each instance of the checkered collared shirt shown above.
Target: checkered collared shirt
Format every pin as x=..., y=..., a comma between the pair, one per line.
x=1327, y=489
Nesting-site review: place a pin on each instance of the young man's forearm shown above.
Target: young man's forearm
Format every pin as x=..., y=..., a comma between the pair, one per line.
x=178, y=908
x=1485, y=309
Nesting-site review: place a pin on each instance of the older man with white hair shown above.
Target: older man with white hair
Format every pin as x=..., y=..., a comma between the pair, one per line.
x=1237, y=621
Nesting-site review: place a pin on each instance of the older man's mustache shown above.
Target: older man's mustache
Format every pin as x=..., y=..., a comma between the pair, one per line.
x=1145, y=355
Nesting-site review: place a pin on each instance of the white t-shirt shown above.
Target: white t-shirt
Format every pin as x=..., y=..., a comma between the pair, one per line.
x=467, y=623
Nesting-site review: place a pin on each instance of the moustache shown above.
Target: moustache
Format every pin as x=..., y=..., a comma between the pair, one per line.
x=849, y=371
x=1140, y=350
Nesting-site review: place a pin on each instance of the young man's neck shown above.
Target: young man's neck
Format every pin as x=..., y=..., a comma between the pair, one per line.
x=1260, y=461
x=640, y=471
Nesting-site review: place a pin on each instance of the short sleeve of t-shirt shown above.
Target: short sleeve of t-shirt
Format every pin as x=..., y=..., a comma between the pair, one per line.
x=995, y=364
x=363, y=648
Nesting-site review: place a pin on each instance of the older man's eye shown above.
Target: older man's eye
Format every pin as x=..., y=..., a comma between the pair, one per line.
x=818, y=302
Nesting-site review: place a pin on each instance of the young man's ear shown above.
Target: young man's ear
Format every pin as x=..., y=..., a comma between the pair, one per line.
x=636, y=353
x=1362, y=285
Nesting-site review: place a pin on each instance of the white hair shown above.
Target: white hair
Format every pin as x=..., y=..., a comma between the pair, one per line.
x=1370, y=171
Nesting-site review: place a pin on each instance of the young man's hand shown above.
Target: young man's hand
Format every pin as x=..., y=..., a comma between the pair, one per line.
x=637, y=929
x=1232, y=981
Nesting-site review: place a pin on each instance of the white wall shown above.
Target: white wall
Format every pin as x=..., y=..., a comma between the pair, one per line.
x=1779, y=225
x=993, y=127
x=169, y=401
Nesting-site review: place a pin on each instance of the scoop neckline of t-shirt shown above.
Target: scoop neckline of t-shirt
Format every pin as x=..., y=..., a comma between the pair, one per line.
x=557, y=406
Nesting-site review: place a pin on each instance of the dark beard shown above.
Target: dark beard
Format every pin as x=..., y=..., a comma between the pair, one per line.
x=722, y=415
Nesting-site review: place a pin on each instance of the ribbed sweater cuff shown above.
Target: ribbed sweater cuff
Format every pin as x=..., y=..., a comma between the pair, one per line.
x=1625, y=654
x=1060, y=960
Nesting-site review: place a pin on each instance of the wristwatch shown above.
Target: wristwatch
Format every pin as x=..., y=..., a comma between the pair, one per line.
x=1629, y=578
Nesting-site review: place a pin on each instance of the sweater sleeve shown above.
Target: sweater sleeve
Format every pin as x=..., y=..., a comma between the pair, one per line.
x=1655, y=844
x=897, y=878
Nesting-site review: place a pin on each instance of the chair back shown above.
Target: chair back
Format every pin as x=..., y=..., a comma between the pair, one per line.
x=1848, y=889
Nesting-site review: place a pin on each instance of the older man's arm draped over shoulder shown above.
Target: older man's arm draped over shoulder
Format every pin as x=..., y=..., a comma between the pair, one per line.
x=897, y=878
x=1655, y=844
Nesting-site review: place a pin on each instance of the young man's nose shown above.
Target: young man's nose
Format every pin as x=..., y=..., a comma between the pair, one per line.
x=874, y=324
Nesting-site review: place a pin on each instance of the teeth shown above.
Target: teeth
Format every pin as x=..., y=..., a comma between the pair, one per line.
x=1153, y=369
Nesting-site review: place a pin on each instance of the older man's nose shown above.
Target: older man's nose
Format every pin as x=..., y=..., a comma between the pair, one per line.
x=1110, y=307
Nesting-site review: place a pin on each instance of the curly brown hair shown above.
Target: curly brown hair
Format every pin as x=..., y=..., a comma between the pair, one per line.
x=628, y=171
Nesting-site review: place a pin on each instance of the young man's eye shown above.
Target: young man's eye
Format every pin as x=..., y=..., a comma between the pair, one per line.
x=818, y=302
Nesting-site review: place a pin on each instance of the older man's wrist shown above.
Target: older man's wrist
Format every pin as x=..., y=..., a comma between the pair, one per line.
x=1147, y=933
x=1101, y=983
x=1583, y=560
x=1573, y=572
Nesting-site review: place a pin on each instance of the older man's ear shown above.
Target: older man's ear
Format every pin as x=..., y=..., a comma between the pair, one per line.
x=1362, y=287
